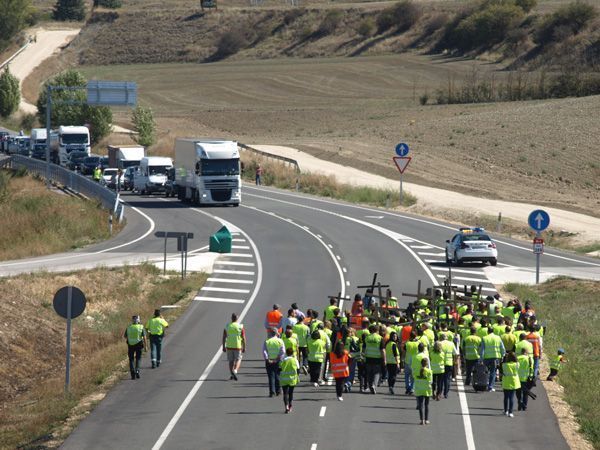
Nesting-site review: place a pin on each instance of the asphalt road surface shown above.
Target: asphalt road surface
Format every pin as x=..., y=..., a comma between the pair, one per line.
x=289, y=248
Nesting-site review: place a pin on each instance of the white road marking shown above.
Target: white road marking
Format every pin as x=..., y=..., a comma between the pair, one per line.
x=235, y=272
x=305, y=227
x=445, y=269
x=241, y=247
x=407, y=240
x=421, y=246
x=322, y=412
x=347, y=283
x=464, y=409
x=169, y=428
x=481, y=280
x=344, y=269
x=319, y=236
x=431, y=254
x=373, y=217
x=314, y=446
x=229, y=280
x=329, y=245
x=234, y=263
x=240, y=255
x=238, y=240
x=217, y=289
x=217, y=299
x=338, y=257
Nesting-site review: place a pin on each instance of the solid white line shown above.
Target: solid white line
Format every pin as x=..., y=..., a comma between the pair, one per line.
x=234, y=263
x=235, y=272
x=218, y=300
x=435, y=261
x=216, y=289
x=314, y=446
x=464, y=409
x=322, y=412
x=167, y=431
x=408, y=240
x=241, y=247
x=229, y=280
x=240, y=255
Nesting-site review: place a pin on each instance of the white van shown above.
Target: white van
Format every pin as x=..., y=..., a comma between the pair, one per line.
x=152, y=174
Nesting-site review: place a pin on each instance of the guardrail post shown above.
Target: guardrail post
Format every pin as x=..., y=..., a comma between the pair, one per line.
x=297, y=184
x=110, y=220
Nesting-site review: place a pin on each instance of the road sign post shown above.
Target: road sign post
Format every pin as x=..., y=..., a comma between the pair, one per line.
x=401, y=163
x=182, y=246
x=538, y=220
x=69, y=302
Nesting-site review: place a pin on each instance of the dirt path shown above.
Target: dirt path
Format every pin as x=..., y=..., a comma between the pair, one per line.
x=46, y=43
x=587, y=228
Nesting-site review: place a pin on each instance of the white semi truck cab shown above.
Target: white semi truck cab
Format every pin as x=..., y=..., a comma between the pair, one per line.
x=152, y=174
x=68, y=139
x=207, y=171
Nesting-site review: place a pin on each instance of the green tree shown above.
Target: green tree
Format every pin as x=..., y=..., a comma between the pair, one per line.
x=144, y=124
x=10, y=95
x=13, y=16
x=69, y=10
x=69, y=106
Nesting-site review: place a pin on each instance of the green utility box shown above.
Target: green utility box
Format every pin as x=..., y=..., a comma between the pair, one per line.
x=220, y=242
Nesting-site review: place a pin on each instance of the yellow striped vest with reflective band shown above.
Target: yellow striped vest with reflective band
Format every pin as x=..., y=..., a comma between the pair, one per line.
x=492, y=347
x=472, y=343
x=302, y=331
x=135, y=333
x=423, y=385
x=289, y=373
x=555, y=363
x=448, y=348
x=389, y=353
x=437, y=362
x=316, y=350
x=273, y=347
x=373, y=346
x=291, y=342
x=525, y=367
x=234, y=335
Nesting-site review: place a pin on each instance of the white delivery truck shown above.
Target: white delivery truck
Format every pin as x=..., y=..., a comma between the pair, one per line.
x=124, y=156
x=67, y=139
x=207, y=171
x=38, y=143
x=152, y=174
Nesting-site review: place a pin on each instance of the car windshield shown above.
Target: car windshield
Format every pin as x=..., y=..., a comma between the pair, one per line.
x=220, y=167
x=110, y=172
x=77, y=156
x=74, y=138
x=91, y=160
x=158, y=170
x=477, y=237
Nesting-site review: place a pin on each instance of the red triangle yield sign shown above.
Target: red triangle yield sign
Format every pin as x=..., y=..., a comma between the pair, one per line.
x=401, y=162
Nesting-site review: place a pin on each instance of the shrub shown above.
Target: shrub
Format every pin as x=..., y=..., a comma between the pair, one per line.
x=423, y=99
x=10, y=95
x=366, y=27
x=28, y=121
x=144, y=124
x=330, y=23
x=69, y=10
x=403, y=15
x=230, y=43
x=569, y=19
x=526, y=5
x=112, y=4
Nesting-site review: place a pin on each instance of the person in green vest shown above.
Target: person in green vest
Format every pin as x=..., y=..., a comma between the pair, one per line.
x=234, y=344
x=328, y=313
x=411, y=349
x=508, y=339
x=510, y=382
x=491, y=352
x=471, y=346
x=556, y=364
x=392, y=357
x=302, y=331
x=156, y=329
x=374, y=350
x=97, y=174
x=360, y=363
x=273, y=353
x=288, y=378
x=316, y=355
x=525, y=377
x=135, y=336
x=449, y=351
x=423, y=382
x=352, y=344
x=437, y=358
x=290, y=340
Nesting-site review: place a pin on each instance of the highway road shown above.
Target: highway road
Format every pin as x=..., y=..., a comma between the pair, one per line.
x=291, y=247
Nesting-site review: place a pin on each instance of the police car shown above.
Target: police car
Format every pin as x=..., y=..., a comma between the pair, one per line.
x=471, y=244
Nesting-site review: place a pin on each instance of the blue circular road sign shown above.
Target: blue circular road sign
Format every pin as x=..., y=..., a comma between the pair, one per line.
x=539, y=220
x=402, y=149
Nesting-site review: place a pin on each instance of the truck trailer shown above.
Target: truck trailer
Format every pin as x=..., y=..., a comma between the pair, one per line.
x=124, y=156
x=207, y=171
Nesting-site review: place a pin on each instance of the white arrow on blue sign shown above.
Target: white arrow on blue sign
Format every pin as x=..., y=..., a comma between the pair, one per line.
x=402, y=149
x=539, y=220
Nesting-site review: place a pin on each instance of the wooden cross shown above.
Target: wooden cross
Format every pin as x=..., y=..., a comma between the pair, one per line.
x=372, y=287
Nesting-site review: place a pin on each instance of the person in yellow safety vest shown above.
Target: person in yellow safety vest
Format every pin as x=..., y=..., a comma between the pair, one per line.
x=135, y=335
x=411, y=348
x=428, y=332
x=523, y=344
x=328, y=313
x=508, y=339
x=416, y=359
x=374, y=351
x=510, y=382
x=273, y=353
x=316, y=355
x=520, y=331
x=556, y=364
x=483, y=330
x=352, y=344
x=360, y=363
x=302, y=331
x=234, y=344
x=156, y=329
x=491, y=352
x=449, y=351
x=472, y=343
x=290, y=340
x=326, y=334
x=392, y=357
x=315, y=322
x=437, y=358
x=97, y=174
x=288, y=378
x=525, y=377
x=424, y=339
x=423, y=390
x=499, y=327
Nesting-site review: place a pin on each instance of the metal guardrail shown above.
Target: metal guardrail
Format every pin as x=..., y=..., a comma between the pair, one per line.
x=17, y=53
x=290, y=161
x=73, y=181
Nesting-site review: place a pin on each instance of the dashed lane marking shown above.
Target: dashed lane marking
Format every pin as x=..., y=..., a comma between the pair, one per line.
x=229, y=280
x=200, y=298
x=238, y=240
x=322, y=412
x=314, y=446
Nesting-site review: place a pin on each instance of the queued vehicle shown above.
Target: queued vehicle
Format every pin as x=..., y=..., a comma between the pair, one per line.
x=471, y=245
x=24, y=146
x=89, y=164
x=75, y=160
x=4, y=141
x=110, y=177
x=128, y=178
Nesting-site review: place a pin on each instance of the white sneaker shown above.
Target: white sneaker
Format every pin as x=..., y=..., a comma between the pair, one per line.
x=315, y=384
x=340, y=399
x=493, y=389
x=505, y=413
x=511, y=415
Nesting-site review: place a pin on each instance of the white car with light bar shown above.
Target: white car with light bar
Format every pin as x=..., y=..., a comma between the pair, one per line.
x=471, y=245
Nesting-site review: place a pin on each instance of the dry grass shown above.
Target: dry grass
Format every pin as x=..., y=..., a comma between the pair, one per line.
x=35, y=221
x=32, y=342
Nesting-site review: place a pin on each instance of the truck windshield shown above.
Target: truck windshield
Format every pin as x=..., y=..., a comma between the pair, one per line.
x=158, y=170
x=131, y=163
x=214, y=167
x=74, y=139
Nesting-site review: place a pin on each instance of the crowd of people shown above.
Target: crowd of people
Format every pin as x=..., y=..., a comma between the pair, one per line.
x=432, y=342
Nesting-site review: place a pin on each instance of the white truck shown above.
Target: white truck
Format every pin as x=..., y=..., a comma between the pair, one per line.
x=38, y=143
x=67, y=139
x=207, y=171
x=152, y=174
x=124, y=156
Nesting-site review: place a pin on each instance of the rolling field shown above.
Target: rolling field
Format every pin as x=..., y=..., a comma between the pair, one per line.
x=354, y=110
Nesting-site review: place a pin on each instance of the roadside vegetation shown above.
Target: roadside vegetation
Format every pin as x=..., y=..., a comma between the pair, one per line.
x=283, y=176
x=36, y=413
x=570, y=309
x=36, y=221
